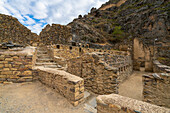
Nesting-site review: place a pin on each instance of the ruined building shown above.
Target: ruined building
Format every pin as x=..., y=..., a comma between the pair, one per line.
x=96, y=53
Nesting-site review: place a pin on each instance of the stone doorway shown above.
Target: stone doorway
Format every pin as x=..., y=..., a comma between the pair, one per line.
x=142, y=66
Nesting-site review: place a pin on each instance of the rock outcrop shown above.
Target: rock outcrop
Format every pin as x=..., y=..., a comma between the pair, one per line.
x=12, y=30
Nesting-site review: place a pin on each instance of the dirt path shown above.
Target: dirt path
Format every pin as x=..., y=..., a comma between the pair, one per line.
x=33, y=98
x=111, y=5
x=132, y=87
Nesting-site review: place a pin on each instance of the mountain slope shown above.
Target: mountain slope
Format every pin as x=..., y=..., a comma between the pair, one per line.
x=137, y=18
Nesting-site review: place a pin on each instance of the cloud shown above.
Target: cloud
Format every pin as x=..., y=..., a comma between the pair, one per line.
x=35, y=14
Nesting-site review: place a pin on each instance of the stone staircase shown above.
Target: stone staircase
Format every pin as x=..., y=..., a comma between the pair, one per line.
x=43, y=59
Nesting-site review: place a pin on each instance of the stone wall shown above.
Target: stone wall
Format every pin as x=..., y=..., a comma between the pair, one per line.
x=12, y=30
x=158, y=67
x=68, y=52
x=118, y=104
x=56, y=34
x=156, y=89
x=163, y=53
x=68, y=85
x=16, y=66
x=142, y=55
x=99, y=75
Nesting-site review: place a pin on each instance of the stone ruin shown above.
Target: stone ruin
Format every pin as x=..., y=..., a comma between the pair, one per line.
x=73, y=70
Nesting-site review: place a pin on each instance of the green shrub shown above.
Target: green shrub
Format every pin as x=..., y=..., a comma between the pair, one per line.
x=117, y=31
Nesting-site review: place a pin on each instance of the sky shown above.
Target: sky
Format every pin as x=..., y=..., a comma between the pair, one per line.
x=36, y=14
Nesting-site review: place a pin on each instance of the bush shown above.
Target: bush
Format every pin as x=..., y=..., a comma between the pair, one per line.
x=117, y=31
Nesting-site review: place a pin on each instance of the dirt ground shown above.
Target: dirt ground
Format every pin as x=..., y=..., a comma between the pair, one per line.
x=38, y=98
x=34, y=98
x=133, y=87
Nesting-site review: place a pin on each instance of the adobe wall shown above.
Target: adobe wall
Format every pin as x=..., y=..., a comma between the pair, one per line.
x=68, y=85
x=118, y=104
x=156, y=90
x=100, y=76
x=16, y=66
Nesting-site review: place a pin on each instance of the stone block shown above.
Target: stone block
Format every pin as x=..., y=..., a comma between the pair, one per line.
x=2, y=58
x=6, y=69
x=27, y=73
x=74, y=103
x=14, y=69
x=8, y=59
x=1, y=65
x=15, y=57
x=16, y=73
x=7, y=73
x=3, y=76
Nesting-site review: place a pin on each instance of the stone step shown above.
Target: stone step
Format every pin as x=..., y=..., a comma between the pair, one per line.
x=41, y=52
x=51, y=66
x=42, y=55
x=46, y=63
x=44, y=60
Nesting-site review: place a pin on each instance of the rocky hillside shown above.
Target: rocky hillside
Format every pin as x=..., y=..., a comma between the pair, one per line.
x=120, y=20
x=56, y=34
x=12, y=30
x=117, y=22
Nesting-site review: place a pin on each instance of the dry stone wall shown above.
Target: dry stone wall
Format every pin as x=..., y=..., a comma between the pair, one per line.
x=156, y=89
x=158, y=67
x=142, y=55
x=118, y=104
x=12, y=30
x=17, y=66
x=98, y=76
x=68, y=85
x=68, y=52
x=56, y=34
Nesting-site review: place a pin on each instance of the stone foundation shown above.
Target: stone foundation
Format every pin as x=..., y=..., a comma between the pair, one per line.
x=156, y=90
x=118, y=104
x=16, y=66
x=68, y=85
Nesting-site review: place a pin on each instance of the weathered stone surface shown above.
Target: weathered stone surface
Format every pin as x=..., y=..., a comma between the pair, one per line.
x=98, y=76
x=65, y=83
x=156, y=89
x=118, y=104
x=15, y=65
x=56, y=34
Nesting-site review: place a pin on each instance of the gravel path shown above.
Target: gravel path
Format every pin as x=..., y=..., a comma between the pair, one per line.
x=33, y=98
x=133, y=87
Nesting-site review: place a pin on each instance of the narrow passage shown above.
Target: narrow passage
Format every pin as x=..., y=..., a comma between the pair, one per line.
x=133, y=86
